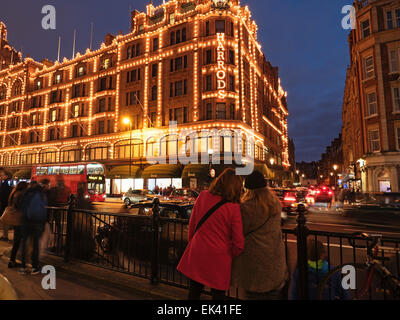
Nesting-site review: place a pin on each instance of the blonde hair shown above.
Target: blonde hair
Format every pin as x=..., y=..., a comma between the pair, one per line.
x=264, y=198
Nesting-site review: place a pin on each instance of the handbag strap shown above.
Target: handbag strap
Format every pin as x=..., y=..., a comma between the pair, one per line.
x=258, y=228
x=208, y=214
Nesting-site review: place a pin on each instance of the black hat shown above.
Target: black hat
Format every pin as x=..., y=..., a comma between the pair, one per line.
x=255, y=181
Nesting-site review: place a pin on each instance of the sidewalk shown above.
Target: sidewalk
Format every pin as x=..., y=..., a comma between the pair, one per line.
x=77, y=281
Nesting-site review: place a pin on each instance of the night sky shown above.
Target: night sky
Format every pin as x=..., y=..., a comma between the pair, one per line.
x=304, y=38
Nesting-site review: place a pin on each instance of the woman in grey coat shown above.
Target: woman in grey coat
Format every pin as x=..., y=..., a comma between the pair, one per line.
x=261, y=269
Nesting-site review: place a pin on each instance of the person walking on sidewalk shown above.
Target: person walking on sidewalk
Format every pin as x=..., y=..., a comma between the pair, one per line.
x=5, y=191
x=261, y=268
x=15, y=201
x=34, y=217
x=215, y=237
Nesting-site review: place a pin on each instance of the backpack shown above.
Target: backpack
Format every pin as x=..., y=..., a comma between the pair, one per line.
x=35, y=207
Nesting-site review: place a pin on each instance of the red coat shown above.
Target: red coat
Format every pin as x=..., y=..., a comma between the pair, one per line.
x=208, y=256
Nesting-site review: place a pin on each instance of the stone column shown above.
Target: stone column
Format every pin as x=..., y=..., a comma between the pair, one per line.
x=394, y=178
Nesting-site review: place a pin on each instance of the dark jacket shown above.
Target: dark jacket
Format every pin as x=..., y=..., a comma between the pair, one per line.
x=314, y=279
x=5, y=191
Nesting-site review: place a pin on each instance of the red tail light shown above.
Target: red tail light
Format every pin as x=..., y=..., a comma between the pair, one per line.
x=289, y=198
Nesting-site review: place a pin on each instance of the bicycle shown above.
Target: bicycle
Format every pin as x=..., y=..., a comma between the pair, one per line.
x=373, y=280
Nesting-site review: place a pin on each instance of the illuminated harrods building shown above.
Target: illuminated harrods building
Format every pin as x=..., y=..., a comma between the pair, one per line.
x=196, y=63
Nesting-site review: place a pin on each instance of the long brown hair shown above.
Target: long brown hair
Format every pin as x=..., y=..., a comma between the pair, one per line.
x=263, y=198
x=228, y=186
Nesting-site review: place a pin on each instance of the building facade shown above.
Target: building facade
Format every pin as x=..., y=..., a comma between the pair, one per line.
x=371, y=107
x=330, y=167
x=194, y=64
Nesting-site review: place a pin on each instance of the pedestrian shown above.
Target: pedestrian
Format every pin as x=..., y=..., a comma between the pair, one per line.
x=5, y=191
x=261, y=268
x=15, y=202
x=215, y=237
x=318, y=268
x=34, y=217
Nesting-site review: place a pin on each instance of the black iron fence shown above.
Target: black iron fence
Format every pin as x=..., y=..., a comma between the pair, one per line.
x=151, y=246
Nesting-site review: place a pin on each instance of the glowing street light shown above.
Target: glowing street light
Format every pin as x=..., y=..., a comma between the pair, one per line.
x=272, y=161
x=335, y=167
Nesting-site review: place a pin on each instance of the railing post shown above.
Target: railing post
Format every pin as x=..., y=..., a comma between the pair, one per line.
x=302, y=259
x=155, y=243
x=70, y=219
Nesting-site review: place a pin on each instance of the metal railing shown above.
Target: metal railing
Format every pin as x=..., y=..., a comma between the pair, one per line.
x=151, y=246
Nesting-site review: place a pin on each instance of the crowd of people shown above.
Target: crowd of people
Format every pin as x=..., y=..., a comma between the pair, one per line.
x=24, y=208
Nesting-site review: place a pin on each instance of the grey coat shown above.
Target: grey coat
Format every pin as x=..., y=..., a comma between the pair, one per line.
x=262, y=265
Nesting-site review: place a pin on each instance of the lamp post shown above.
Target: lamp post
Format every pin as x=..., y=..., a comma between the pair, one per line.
x=128, y=121
x=335, y=167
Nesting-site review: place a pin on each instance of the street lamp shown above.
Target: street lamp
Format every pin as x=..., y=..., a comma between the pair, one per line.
x=335, y=167
x=272, y=161
x=128, y=121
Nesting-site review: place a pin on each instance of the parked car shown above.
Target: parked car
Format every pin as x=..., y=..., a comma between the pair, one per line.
x=135, y=196
x=184, y=194
x=379, y=208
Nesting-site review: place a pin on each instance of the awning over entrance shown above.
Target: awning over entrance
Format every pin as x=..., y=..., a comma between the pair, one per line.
x=122, y=172
x=195, y=171
x=22, y=174
x=162, y=171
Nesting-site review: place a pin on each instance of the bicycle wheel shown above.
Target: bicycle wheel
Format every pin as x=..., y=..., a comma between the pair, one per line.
x=369, y=285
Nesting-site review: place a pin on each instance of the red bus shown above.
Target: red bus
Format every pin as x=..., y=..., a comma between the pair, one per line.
x=91, y=175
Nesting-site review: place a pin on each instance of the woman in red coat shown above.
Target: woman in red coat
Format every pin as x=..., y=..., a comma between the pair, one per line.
x=208, y=257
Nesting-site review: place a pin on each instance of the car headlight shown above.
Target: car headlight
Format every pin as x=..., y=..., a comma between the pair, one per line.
x=87, y=196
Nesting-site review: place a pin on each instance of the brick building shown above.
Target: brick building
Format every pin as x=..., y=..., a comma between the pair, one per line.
x=330, y=167
x=194, y=63
x=371, y=106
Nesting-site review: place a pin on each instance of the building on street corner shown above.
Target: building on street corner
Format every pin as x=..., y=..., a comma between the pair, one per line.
x=196, y=64
x=371, y=106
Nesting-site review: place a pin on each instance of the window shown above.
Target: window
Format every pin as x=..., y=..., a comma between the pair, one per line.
x=208, y=83
x=178, y=63
x=184, y=35
x=398, y=137
x=178, y=36
x=389, y=20
x=53, y=115
x=171, y=89
x=232, y=111
x=172, y=18
x=232, y=29
x=101, y=127
x=365, y=31
x=209, y=111
x=398, y=18
x=371, y=104
x=75, y=111
x=102, y=105
x=141, y=29
x=172, y=38
x=221, y=111
x=106, y=63
x=155, y=44
x=219, y=26
x=103, y=84
x=394, y=62
x=178, y=88
x=154, y=93
x=58, y=78
x=74, y=131
x=231, y=57
x=374, y=140
x=133, y=98
x=207, y=28
x=208, y=56
x=231, y=83
x=396, y=99
x=154, y=70
x=369, y=67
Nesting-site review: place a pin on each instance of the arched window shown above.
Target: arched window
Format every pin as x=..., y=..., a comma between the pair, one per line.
x=151, y=150
x=48, y=156
x=71, y=155
x=97, y=152
x=169, y=145
x=17, y=88
x=14, y=159
x=123, y=148
x=28, y=158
